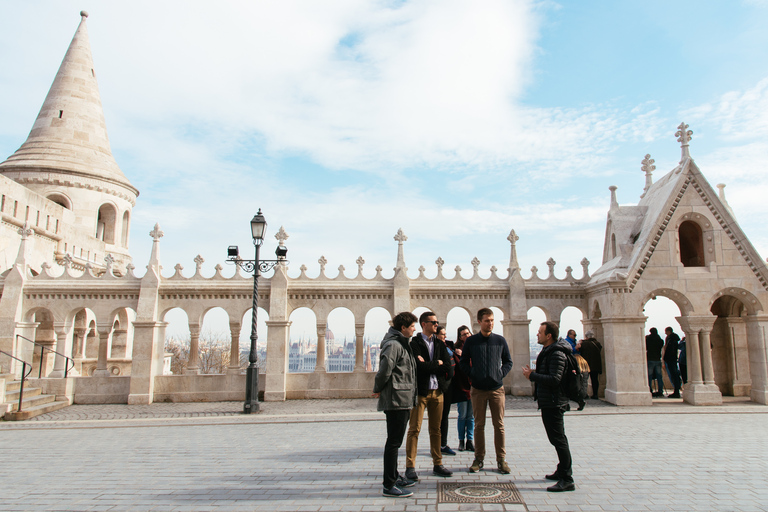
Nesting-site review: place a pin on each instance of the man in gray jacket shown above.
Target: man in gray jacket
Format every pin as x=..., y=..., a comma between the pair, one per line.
x=395, y=385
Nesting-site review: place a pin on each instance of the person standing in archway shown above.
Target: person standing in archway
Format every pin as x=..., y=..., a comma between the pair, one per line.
x=653, y=346
x=590, y=349
x=670, y=360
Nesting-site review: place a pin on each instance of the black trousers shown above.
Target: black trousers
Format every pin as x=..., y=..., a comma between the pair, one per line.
x=554, y=424
x=595, y=377
x=397, y=425
x=444, y=420
x=684, y=372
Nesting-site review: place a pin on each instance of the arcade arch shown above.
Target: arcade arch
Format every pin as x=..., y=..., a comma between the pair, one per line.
x=303, y=353
x=340, y=340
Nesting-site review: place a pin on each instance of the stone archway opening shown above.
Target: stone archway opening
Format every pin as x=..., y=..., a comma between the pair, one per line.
x=662, y=312
x=377, y=322
x=536, y=315
x=244, y=341
x=340, y=341
x=730, y=353
x=302, y=355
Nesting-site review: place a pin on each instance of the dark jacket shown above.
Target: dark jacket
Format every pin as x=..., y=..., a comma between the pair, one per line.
x=670, y=349
x=590, y=350
x=460, y=386
x=550, y=365
x=444, y=372
x=396, y=378
x=486, y=361
x=653, y=346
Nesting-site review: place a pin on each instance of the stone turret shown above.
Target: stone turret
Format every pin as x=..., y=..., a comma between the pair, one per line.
x=68, y=160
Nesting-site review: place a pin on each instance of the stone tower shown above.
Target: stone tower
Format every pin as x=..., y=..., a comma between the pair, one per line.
x=67, y=159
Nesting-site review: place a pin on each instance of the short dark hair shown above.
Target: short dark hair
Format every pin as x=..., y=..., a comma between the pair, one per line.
x=654, y=331
x=404, y=319
x=670, y=329
x=440, y=328
x=551, y=328
x=483, y=312
x=425, y=315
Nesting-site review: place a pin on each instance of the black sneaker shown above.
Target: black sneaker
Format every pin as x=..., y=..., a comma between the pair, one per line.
x=447, y=450
x=410, y=474
x=403, y=482
x=396, y=492
x=442, y=471
x=470, y=446
x=562, y=486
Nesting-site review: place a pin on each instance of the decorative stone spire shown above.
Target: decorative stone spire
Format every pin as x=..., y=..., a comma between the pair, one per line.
x=400, y=238
x=648, y=169
x=721, y=195
x=614, y=201
x=154, y=257
x=21, y=257
x=683, y=135
x=69, y=135
x=513, y=264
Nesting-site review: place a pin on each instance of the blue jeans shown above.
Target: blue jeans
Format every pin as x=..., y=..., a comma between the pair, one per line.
x=674, y=375
x=466, y=422
x=654, y=372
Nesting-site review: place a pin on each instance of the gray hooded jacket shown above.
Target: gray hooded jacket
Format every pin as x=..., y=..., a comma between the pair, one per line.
x=396, y=379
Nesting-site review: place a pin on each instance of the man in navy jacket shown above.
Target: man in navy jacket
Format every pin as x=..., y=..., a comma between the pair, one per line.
x=486, y=361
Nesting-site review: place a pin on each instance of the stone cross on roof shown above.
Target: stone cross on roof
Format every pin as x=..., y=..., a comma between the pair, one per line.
x=648, y=169
x=282, y=236
x=683, y=135
x=156, y=233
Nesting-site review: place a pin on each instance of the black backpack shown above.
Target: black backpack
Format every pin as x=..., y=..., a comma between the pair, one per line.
x=575, y=380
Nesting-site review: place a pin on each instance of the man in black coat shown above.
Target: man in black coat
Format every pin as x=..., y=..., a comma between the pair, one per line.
x=433, y=375
x=590, y=349
x=550, y=366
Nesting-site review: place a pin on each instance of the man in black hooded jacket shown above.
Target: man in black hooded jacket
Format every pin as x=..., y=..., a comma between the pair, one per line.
x=550, y=366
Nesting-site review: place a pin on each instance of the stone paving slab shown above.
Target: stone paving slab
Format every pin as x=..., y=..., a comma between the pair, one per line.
x=322, y=455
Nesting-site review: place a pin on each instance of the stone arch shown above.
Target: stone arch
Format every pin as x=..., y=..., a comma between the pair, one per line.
x=215, y=340
x=340, y=340
x=572, y=317
x=498, y=318
x=61, y=199
x=36, y=334
x=728, y=339
x=536, y=315
x=377, y=322
x=106, y=223
x=125, y=229
x=682, y=302
x=302, y=349
x=418, y=312
x=121, y=346
x=748, y=300
x=457, y=317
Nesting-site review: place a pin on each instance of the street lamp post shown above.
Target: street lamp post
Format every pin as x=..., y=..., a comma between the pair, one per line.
x=257, y=266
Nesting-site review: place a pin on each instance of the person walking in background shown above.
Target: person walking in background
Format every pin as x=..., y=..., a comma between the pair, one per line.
x=653, y=346
x=460, y=393
x=440, y=336
x=550, y=366
x=433, y=372
x=395, y=386
x=670, y=360
x=571, y=339
x=590, y=349
x=486, y=360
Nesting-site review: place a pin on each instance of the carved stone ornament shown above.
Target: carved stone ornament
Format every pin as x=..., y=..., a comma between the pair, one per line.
x=198, y=263
x=400, y=236
x=323, y=262
x=360, y=262
x=156, y=233
x=439, y=262
x=475, y=263
x=281, y=236
x=513, y=237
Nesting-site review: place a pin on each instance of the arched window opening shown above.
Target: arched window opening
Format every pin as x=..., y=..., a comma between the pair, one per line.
x=691, y=244
x=126, y=223
x=60, y=200
x=105, y=224
x=613, y=245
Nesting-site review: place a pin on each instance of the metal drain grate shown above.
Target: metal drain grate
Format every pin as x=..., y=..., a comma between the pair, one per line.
x=452, y=492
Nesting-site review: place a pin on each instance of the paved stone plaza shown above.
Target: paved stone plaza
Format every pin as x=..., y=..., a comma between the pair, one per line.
x=321, y=455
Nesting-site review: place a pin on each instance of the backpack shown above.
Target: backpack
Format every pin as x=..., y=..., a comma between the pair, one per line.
x=575, y=379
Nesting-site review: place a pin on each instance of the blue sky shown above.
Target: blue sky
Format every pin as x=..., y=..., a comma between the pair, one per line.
x=455, y=120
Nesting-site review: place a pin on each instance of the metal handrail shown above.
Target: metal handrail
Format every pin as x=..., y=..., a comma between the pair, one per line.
x=24, y=375
x=43, y=348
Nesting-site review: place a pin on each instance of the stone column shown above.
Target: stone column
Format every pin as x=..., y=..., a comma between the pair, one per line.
x=737, y=336
x=101, y=363
x=757, y=345
x=320, y=365
x=701, y=389
x=626, y=373
x=62, y=347
x=234, y=351
x=78, y=343
x=193, y=364
x=148, y=353
x=119, y=343
x=359, y=347
x=277, y=360
x=516, y=333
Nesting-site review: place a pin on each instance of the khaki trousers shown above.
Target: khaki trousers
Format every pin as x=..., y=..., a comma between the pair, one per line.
x=494, y=400
x=433, y=403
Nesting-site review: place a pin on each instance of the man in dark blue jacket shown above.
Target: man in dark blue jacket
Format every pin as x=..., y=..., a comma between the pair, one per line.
x=486, y=361
x=550, y=366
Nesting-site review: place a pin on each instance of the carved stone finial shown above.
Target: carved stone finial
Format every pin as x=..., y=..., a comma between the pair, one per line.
x=323, y=262
x=513, y=237
x=130, y=267
x=683, y=135
x=379, y=269
x=156, y=233
x=534, y=271
x=475, y=264
x=67, y=259
x=422, y=269
x=568, y=271
x=585, y=266
x=109, y=260
x=458, y=270
x=178, y=268
x=439, y=262
x=341, y=269
x=648, y=169
x=360, y=262
x=614, y=201
x=400, y=236
x=551, y=264
x=281, y=236
x=198, y=263
x=25, y=231
x=303, y=268
x=494, y=269
x=218, y=268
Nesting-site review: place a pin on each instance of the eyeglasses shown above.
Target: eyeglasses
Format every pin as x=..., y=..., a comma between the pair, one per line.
x=433, y=322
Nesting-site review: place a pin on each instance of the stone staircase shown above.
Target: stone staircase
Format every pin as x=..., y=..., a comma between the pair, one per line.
x=34, y=402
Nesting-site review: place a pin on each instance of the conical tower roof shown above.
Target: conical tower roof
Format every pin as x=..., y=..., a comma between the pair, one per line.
x=69, y=135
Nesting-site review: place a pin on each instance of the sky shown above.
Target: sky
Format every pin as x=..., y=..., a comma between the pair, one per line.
x=456, y=121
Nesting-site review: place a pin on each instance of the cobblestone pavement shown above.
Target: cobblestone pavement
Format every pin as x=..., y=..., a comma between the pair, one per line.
x=319, y=455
